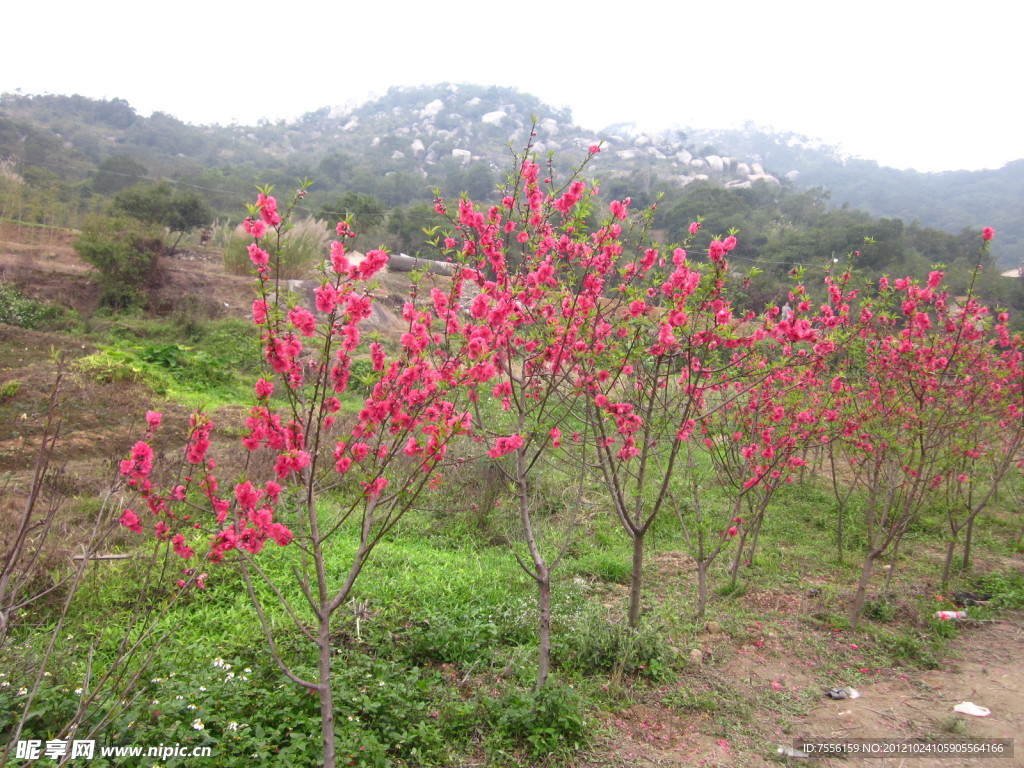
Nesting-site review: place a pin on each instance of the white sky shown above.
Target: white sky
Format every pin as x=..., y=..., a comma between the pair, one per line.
x=925, y=84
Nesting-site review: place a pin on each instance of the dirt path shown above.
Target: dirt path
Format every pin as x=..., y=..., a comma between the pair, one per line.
x=986, y=667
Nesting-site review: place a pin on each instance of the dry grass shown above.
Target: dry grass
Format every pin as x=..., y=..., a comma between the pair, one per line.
x=302, y=247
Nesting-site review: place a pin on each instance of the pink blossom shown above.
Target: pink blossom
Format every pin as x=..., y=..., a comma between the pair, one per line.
x=987, y=234
x=246, y=495
x=372, y=264
x=140, y=463
x=131, y=521
x=376, y=487
x=665, y=336
x=258, y=256
x=254, y=227
x=339, y=261
x=181, y=549
x=268, y=210
x=280, y=534
x=259, y=311
x=694, y=227
x=618, y=208
x=504, y=445
x=153, y=419
x=326, y=298
x=594, y=149
x=303, y=320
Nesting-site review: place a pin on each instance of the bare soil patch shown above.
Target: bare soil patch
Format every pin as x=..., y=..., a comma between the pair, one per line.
x=776, y=682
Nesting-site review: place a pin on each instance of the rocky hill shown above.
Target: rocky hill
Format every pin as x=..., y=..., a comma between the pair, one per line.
x=401, y=146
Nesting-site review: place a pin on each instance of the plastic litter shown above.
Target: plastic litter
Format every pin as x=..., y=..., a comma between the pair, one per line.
x=843, y=693
x=791, y=752
x=970, y=708
x=951, y=615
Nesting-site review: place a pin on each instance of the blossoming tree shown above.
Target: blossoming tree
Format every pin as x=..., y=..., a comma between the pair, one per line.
x=309, y=476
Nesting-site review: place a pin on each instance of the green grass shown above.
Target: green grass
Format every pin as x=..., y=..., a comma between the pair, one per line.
x=442, y=659
x=204, y=366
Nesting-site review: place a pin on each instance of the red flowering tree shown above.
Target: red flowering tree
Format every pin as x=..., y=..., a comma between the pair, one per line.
x=677, y=348
x=913, y=389
x=541, y=274
x=308, y=477
x=989, y=445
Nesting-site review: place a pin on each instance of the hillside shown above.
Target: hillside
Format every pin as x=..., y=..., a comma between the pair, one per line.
x=456, y=138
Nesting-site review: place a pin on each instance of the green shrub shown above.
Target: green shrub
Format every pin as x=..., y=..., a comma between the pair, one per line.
x=123, y=251
x=601, y=648
x=17, y=309
x=1006, y=589
x=880, y=610
x=548, y=722
x=9, y=389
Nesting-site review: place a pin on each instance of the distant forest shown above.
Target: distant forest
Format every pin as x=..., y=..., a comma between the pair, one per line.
x=793, y=206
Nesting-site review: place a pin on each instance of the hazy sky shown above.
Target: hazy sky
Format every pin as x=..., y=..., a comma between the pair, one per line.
x=925, y=84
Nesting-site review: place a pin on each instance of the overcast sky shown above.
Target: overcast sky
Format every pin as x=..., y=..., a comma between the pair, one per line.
x=925, y=84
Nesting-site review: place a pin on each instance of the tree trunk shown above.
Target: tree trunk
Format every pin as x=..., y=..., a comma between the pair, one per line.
x=544, y=604
x=326, y=694
x=756, y=535
x=967, y=544
x=702, y=588
x=862, y=587
x=839, y=533
x=636, y=580
x=947, y=566
x=892, y=568
x=734, y=571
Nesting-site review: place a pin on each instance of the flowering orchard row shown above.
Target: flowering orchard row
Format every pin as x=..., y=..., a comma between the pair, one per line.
x=565, y=335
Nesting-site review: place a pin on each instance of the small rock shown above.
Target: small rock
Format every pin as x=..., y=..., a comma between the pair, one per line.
x=696, y=656
x=712, y=627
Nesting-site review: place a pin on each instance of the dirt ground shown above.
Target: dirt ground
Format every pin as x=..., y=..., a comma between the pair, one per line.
x=898, y=705
x=99, y=419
